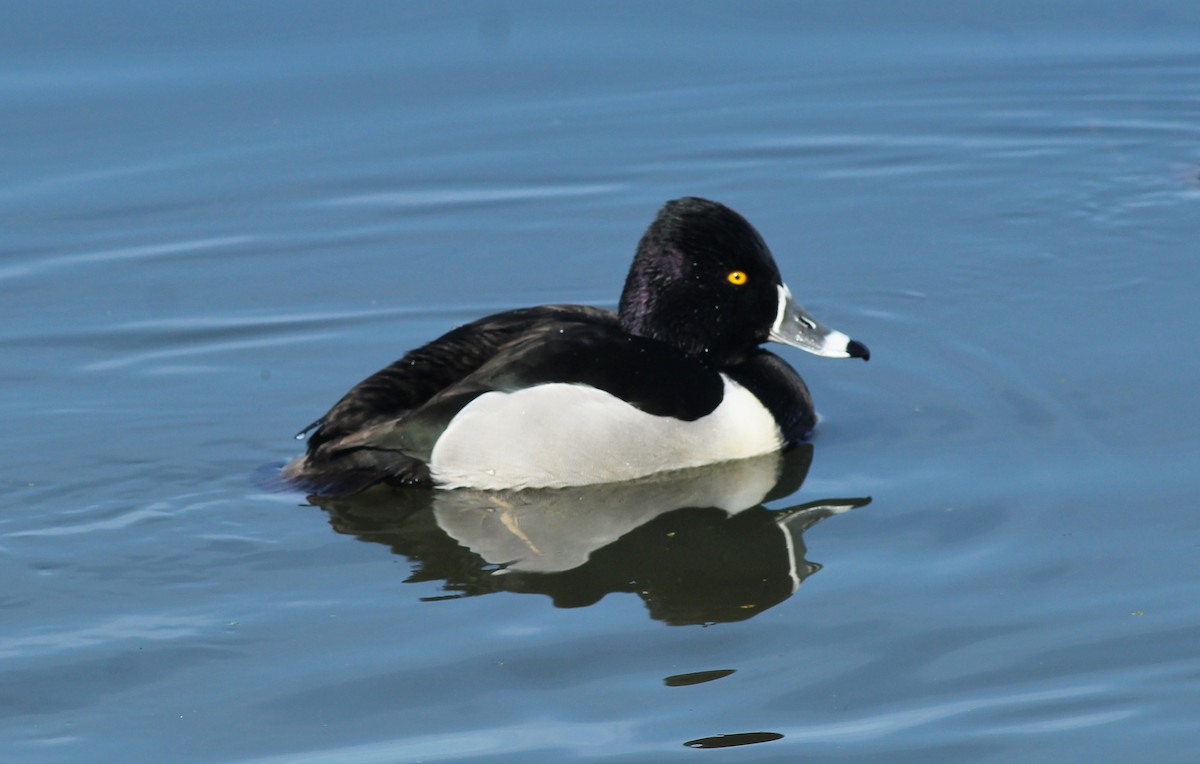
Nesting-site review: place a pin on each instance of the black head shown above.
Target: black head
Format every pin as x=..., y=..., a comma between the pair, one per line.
x=704, y=281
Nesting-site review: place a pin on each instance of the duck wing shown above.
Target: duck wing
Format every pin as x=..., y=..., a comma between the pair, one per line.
x=646, y=373
x=414, y=379
x=332, y=465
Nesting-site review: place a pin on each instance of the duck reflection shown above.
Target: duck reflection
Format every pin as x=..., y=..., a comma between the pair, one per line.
x=699, y=547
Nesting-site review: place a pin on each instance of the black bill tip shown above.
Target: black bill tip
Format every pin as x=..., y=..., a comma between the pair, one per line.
x=858, y=350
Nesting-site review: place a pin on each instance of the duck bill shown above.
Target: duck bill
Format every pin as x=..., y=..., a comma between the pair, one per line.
x=795, y=326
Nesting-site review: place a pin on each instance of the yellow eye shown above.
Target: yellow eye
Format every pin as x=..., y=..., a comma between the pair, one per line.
x=737, y=278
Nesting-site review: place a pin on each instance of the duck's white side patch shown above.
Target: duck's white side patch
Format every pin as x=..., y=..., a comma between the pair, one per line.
x=558, y=434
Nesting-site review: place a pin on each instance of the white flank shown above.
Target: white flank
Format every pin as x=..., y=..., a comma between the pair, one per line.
x=557, y=435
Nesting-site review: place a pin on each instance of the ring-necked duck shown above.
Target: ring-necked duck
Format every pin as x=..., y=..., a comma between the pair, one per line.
x=563, y=395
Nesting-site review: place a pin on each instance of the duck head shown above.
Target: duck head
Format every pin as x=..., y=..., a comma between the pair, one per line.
x=704, y=281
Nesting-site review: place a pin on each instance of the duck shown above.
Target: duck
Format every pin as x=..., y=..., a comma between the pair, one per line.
x=570, y=395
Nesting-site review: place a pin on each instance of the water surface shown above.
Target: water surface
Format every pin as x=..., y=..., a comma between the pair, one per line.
x=217, y=219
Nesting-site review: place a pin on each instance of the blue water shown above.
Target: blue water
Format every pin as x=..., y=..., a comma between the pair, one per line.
x=216, y=218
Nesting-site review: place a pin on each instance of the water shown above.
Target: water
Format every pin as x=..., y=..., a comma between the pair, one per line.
x=217, y=218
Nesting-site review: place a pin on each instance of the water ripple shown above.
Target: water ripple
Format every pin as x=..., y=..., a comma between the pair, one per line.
x=536, y=736
x=466, y=196
x=147, y=627
x=124, y=254
x=886, y=724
